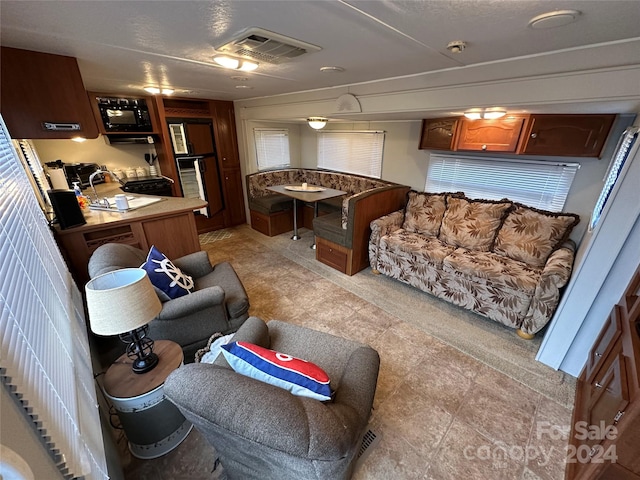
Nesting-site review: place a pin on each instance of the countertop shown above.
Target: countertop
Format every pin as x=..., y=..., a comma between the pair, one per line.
x=98, y=219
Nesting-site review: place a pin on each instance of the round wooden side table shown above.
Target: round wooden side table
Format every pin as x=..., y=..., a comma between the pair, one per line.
x=153, y=425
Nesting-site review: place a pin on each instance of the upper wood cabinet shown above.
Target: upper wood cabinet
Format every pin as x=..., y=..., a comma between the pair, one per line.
x=39, y=89
x=567, y=135
x=438, y=133
x=499, y=135
x=547, y=135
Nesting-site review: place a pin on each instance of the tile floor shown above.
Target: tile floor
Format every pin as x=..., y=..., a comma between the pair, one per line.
x=440, y=413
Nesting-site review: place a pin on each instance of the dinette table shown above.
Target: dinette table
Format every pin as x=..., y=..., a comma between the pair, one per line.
x=308, y=194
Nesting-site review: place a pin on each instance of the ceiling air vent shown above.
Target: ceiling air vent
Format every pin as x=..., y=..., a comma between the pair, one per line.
x=266, y=46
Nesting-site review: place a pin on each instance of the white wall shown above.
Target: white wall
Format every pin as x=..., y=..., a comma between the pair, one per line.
x=94, y=151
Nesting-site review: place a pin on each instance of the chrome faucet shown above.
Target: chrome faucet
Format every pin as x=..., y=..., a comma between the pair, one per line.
x=95, y=194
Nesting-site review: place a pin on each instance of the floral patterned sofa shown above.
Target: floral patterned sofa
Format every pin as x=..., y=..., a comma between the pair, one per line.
x=500, y=259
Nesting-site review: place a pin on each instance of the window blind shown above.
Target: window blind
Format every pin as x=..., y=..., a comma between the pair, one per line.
x=45, y=360
x=351, y=152
x=272, y=147
x=627, y=140
x=538, y=184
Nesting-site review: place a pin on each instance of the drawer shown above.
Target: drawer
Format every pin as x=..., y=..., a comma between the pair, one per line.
x=610, y=332
x=331, y=255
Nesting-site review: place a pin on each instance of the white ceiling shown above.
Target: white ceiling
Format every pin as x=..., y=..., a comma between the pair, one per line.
x=122, y=46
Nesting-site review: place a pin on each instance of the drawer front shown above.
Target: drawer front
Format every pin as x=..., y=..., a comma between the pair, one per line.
x=331, y=256
x=609, y=334
x=259, y=223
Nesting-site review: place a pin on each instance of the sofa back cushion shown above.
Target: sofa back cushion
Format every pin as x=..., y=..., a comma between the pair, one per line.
x=530, y=235
x=472, y=224
x=423, y=213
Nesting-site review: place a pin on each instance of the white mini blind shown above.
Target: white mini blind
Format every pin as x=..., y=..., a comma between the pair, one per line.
x=358, y=152
x=44, y=352
x=272, y=147
x=538, y=184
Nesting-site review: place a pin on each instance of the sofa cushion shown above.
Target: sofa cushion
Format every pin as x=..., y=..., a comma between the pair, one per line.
x=298, y=376
x=271, y=203
x=472, y=224
x=165, y=276
x=530, y=235
x=491, y=268
x=423, y=247
x=235, y=296
x=423, y=213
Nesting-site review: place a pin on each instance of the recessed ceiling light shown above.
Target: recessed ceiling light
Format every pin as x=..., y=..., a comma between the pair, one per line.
x=248, y=87
x=457, y=46
x=557, y=18
x=332, y=69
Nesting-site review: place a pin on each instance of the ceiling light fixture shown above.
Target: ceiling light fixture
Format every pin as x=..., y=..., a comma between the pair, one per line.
x=335, y=69
x=156, y=90
x=235, y=63
x=485, y=113
x=317, y=123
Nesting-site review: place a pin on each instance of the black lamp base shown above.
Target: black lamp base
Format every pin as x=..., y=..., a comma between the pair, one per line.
x=140, y=349
x=144, y=364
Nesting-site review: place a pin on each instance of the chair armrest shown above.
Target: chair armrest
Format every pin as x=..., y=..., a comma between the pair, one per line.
x=192, y=303
x=195, y=264
x=218, y=400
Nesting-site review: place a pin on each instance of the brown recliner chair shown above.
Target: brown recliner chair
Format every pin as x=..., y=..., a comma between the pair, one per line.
x=218, y=303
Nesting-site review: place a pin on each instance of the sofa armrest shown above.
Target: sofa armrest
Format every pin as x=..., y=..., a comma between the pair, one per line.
x=195, y=264
x=554, y=276
x=192, y=303
x=557, y=270
x=379, y=228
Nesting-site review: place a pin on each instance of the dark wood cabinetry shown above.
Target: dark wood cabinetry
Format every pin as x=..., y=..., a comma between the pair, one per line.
x=209, y=126
x=438, y=133
x=567, y=135
x=608, y=397
x=499, y=135
x=39, y=89
x=545, y=135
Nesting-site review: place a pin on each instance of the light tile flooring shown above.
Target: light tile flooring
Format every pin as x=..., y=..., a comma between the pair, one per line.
x=440, y=413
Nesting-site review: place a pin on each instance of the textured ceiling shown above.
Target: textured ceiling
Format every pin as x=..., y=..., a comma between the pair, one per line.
x=122, y=46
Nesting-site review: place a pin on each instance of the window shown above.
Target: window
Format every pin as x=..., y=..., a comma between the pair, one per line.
x=351, y=152
x=44, y=352
x=272, y=147
x=622, y=152
x=538, y=184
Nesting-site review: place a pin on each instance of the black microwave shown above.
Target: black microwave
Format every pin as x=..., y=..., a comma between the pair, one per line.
x=124, y=114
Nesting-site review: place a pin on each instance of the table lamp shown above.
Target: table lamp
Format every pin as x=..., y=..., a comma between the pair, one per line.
x=123, y=302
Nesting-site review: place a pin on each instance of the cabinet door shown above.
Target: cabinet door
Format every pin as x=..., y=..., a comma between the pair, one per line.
x=604, y=344
x=438, y=133
x=608, y=393
x=500, y=135
x=234, y=200
x=38, y=88
x=225, y=129
x=567, y=135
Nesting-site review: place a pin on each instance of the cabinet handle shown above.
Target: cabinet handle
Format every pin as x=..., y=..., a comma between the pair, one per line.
x=599, y=355
x=484, y=147
x=598, y=385
x=534, y=135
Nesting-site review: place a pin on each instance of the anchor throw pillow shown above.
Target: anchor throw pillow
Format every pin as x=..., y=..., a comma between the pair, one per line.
x=165, y=276
x=293, y=374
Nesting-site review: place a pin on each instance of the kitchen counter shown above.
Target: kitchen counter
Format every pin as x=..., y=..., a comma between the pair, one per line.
x=168, y=224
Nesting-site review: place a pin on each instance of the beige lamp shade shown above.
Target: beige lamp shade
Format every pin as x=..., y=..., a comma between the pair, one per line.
x=121, y=301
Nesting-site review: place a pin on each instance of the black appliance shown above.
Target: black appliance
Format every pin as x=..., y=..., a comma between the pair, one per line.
x=80, y=172
x=66, y=208
x=148, y=186
x=124, y=114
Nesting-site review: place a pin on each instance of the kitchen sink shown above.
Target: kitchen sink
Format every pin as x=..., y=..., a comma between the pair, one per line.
x=134, y=203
